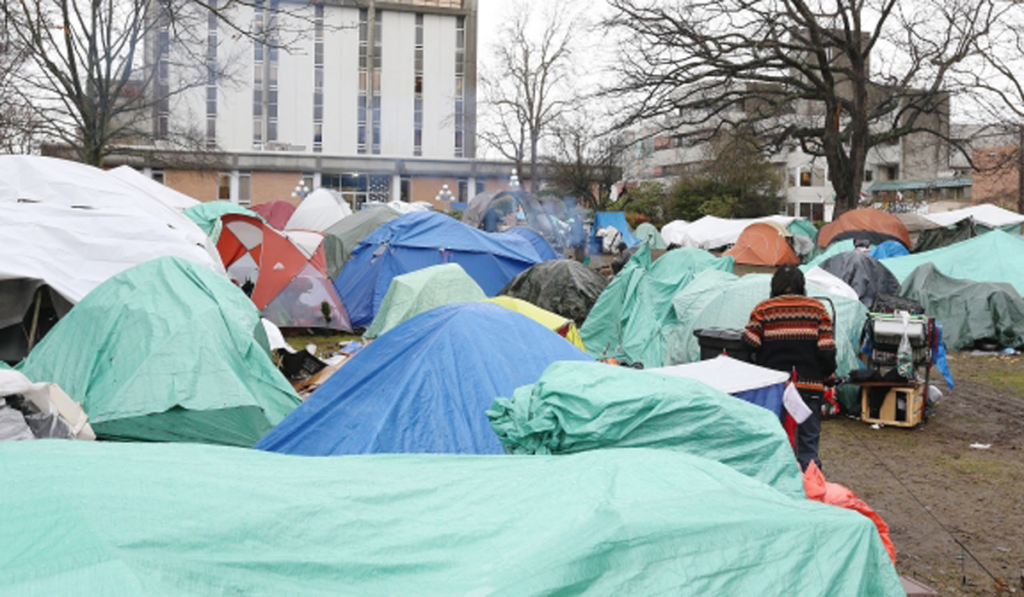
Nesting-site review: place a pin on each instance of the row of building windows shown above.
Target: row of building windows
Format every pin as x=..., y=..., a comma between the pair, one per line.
x=417, y=114
x=460, y=96
x=211, y=77
x=318, y=79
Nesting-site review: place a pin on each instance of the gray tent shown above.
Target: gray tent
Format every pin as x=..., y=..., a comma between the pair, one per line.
x=968, y=310
x=563, y=286
x=863, y=273
x=343, y=237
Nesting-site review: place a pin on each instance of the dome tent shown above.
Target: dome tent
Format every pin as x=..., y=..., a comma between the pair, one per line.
x=343, y=237
x=419, y=240
x=276, y=212
x=565, y=287
x=467, y=354
x=762, y=244
x=318, y=211
x=868, y=223
x=288, y=273
x=862, y=272
x=422, y=290
x=167, y=351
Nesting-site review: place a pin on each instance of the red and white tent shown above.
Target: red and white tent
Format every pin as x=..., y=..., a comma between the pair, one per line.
x=287, y=273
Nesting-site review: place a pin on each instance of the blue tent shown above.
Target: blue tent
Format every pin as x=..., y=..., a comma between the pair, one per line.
x=421, y=239
x=542, y=247
x=889, y=248
x=424, y=386
x=603, y=219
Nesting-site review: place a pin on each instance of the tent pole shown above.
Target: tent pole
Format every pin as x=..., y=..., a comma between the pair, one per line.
x=35, y=319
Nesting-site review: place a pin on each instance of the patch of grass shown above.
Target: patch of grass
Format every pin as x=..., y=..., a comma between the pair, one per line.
x=1003, y=372
x=973, y=466
x=326, y=344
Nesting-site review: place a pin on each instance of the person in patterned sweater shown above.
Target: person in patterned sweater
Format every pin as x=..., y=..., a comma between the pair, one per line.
x=788, y=332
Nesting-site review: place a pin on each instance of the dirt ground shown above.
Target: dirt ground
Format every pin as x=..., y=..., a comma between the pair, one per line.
x=934, y=489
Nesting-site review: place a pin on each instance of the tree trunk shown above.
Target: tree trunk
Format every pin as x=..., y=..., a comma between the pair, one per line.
x=533, y=162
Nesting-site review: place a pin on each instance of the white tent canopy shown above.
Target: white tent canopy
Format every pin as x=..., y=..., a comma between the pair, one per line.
x=710, y=232
x=154, y=189
x=72, y=227
x=320, y=210
x=985, y=214
x=674, y=232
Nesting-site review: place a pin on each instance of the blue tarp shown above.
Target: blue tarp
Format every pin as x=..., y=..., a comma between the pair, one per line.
x=603, y=219
x=889, y=248
x=421, y=239
x=544, y=250
x=424, y=386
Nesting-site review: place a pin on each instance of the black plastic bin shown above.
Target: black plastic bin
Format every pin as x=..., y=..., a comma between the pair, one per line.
x=715, y=341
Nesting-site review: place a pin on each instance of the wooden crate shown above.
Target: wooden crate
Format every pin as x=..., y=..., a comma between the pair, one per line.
x=914, y=410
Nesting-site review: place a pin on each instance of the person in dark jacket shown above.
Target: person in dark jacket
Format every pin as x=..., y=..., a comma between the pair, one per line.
x=791, y=332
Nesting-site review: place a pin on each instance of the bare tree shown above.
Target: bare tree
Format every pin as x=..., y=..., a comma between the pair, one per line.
x=837, y=77
x=17, y=126
x=582, y=162
x=531, y=83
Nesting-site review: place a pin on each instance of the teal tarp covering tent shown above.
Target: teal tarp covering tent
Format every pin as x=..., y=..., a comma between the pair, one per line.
x=633, y=315
x=207, y=216
x=720, y=299
x=650, y=236
x=992, y=257
x=167, y=351
x=131, y=519
x=575, y=407
x=422, y=290
x=968, y=311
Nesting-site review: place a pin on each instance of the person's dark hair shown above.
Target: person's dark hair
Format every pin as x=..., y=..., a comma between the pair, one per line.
x=788, y=279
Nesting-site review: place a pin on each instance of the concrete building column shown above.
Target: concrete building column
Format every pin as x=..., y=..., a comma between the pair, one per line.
x=396, y=187
x=471, y=190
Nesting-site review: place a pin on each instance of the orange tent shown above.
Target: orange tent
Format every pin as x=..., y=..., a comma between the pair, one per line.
x=868, y=223
x=276, y=213
x=287, y=273
x=762, y=244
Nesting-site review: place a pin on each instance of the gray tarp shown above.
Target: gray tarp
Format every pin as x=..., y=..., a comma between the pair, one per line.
x=863, y=273
x=967, y=310
x=563, y=286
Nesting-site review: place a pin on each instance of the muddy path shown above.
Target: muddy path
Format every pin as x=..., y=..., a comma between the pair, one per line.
x=934, y=489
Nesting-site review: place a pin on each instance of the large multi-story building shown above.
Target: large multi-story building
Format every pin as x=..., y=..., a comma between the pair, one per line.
x=376, y=99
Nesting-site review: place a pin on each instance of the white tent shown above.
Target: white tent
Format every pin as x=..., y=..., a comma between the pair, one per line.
x=320, y=210
x=985, y=214
x=710, y=232
x=674, y=232
x=71, y=227
x=726, y=374
x=154, y=189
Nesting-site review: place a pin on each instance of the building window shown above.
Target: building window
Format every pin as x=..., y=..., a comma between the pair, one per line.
x=805, y=178
x=380, y=187
x=378, y=51
x=330, y=181
x=245, y=189
x=480, y=186
x=318, y=78
x=460, y=95
x=158, y=176
x=224, y=186
x=869, y=175
x=893, y=172
x=463, y=195
x=417, y=114
x=257, y=76
x=211, y=76
x=163, y=90
x=271, y=78
x=406, y=189
x=362, y=104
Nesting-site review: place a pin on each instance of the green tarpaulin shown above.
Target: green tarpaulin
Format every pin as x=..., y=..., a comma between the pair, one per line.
x=650, y=236
x=633, y=316
x=968, y=311
x=422, y=290
x=816, y=258
x=992, y=257
x=936, y=238
x=207, y=216
x=575, y=407
x=720, y=299
x=342, y=238
x=139, y=519
x=166, y=351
